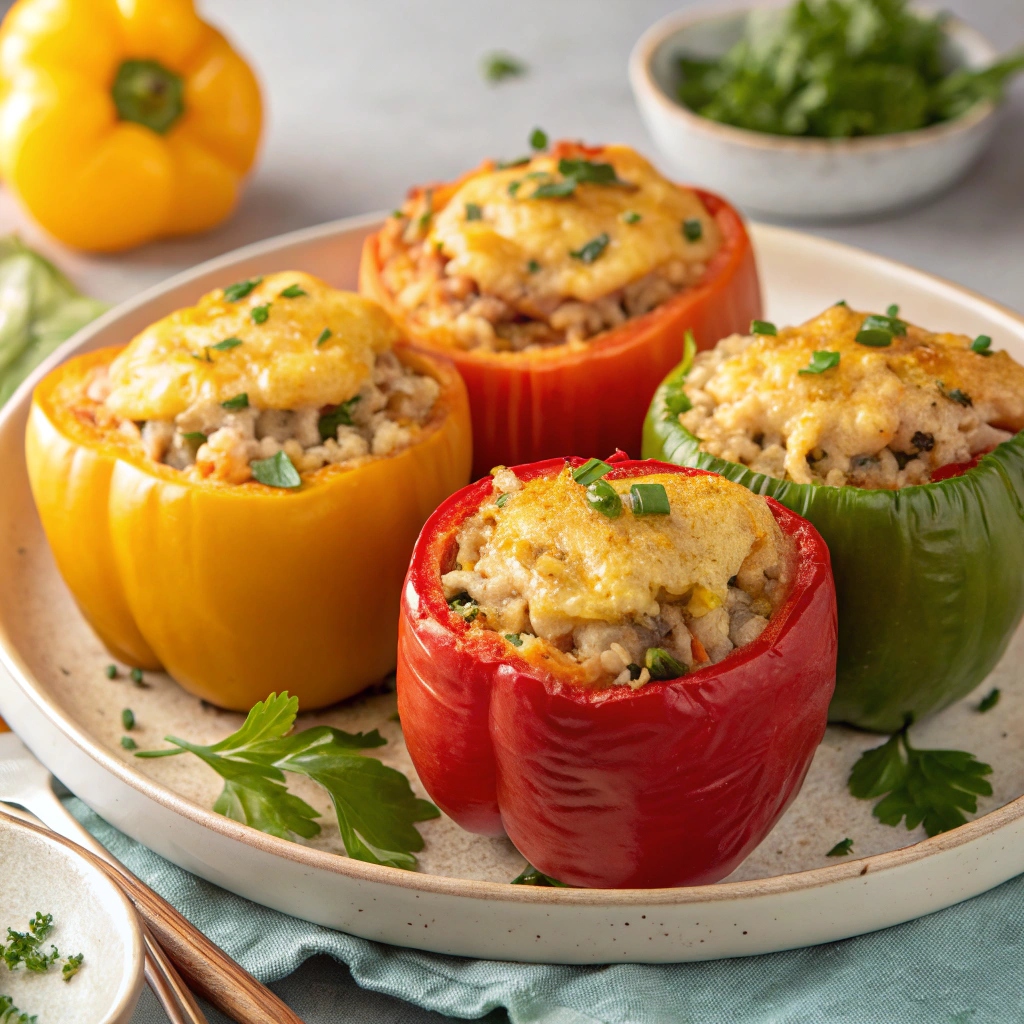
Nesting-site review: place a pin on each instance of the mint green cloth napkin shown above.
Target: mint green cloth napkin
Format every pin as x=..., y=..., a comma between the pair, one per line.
x=964, y=965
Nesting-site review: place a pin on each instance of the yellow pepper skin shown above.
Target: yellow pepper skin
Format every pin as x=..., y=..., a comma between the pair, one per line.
x=238, y=590
x=123, y=121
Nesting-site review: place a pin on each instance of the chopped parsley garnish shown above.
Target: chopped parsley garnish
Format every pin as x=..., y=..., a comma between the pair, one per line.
x=693, y=230
x=241, y=289
x=128, y=743
x=428, y=210
x=340, y=416
x=590, y=172
x=603, y=498
x=631, y=217
x=538, y=139
x=531, y=876
x=514, y=187
x=375, y=805
x=592, y=250
x=473, y=211
x=514, y=639
x=240, y=401
x=841, y=849
x=878, y=331
x=956, y=395
x=24, y=949
x=260, y=314
x=293, y=291
x=990, y=700
x=763, y=327
x=591, y=470
x=324, y=335
x=464, y=606
x=501, y=499
x=554, y=189
x=820, y=362
x=923, y=442
x=662, y=665
x=227, y=344
x=194, y=439
x=136, y=676
x=532, y=266
x=982, y=345
x=933, y=787
x=893, y=310
x=839, y=302
x=496, y=67
x=128, y=719
x=10, y=1014
x=111, y=671
x=649, y=500
x=277, y=471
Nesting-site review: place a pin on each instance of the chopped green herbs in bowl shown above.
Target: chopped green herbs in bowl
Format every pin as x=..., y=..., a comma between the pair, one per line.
x=820, y=109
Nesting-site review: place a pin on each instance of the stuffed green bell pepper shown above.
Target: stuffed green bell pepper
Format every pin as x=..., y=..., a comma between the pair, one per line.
x=903, y=448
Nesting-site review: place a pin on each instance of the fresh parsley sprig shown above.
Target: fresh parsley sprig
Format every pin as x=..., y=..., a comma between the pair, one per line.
x=10, y=1014
x=933, y=787
x=25, y=949
x=376, y=807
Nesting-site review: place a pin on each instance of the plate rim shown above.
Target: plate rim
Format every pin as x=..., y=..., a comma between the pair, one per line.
x=15, y=411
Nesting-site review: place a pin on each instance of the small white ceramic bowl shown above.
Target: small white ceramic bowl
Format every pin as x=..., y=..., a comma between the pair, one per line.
x=90, y=916
x=799, y=178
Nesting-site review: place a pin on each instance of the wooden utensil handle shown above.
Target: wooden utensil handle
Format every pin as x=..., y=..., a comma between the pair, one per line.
x=206, y=968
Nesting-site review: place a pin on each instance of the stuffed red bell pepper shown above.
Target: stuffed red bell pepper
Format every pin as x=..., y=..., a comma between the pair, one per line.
x=625, y=668
x=556, y=281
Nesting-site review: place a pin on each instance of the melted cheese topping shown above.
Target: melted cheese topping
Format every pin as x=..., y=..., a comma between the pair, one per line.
x=515, y=231
x=573, y=564
x=874, y=398
x=173, y=364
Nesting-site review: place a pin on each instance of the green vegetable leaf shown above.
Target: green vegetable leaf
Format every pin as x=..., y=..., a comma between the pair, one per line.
x=693, y=230
x=982, y=344
x=376, y=808
x=324, y=335
x=241, y=289
x=531, y=876
x=763, y=327
x=128, y=743
x=340, y=416
x=127, y=719
x=990, y=700
x=260, y=314
x=841, y=849
x=277, y=471
x=238, y=402
x=293, y=291
x=538, y=139
x=676, y=399
x=820, y=362
x=497, y=67
x=592, y=250
x=933, y=787
x=464, y=606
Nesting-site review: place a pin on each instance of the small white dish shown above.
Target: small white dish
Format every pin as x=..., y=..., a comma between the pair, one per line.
x=800, y=179
x=90, y=916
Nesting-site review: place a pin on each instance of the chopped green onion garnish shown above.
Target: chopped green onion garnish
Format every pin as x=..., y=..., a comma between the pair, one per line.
x=649, y=500
x=590, y=252
x=111, y=671
x=981, y=344
x=514, y=639
x=662, y=665
x=227, y=343
x=841, y=849
x=499, y=66
x=277, y=471
x=590, y=172
x=473, y=211
x=293, y=291
x=532, y=267
x=501, y=499
x=136, y=675
x=820, y=362
x=538, y=139
x=603, y=498
x=237, y=291
x=878, y=331
x=259, y=314
x=692, y=229
x=554, y=189
x=128, y=743
x=340, y=416
x=324, y=335
x=990, y=700
x=464, y=606
x=591, y=470
x=631, y=217
x=128, y=719
x=763, y=327
x=238, y=402
x=514, y=187
x=892, y=310
x=195, y=438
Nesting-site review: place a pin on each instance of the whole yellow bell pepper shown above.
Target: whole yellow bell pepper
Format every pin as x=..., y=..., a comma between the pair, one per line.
x=123, y=121
x=239, y=589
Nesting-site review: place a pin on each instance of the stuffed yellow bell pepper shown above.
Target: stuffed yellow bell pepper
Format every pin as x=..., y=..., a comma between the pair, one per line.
x=122, y=121
x=234, y=496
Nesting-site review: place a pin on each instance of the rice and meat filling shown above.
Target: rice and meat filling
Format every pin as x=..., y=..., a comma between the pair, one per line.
x=848, y=399
x=619, y=601
x=282, y=367
x=553, y=250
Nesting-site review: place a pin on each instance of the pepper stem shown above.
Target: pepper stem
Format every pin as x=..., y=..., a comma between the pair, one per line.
x=149, y=94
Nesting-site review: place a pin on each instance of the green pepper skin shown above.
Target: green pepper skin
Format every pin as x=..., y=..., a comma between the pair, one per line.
x=929, y=579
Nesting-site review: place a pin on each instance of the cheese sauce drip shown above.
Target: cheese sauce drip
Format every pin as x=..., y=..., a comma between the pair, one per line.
x=289, y=342
x=520, y=243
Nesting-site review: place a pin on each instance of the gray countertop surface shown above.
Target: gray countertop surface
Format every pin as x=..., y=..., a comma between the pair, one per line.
x=365, y=98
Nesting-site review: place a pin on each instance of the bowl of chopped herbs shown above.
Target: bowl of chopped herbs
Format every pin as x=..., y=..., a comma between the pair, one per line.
x=820, y=109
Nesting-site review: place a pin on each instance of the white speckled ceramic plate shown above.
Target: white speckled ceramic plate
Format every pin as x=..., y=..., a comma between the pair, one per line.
x=90, y=916
x=54, y=693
